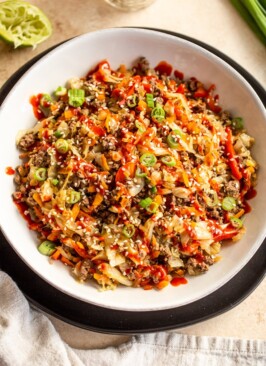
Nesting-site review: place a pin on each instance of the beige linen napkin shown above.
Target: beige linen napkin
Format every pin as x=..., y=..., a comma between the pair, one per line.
x=28, y=338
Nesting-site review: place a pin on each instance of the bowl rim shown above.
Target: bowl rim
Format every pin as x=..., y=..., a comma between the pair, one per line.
x=61, y=46
x=113, y=324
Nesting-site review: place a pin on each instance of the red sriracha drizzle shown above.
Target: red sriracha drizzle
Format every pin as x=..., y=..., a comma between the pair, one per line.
x=35, y=102
x=10, y=171
x=178, y=281
x=164, y=68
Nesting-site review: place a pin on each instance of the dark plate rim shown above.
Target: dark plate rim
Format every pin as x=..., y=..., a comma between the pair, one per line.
x=52, y=301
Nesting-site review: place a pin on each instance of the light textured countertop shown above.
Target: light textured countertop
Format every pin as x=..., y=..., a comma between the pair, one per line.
x=214, y=22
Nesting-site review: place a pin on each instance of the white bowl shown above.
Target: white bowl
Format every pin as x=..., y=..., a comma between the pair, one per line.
x=75, y=58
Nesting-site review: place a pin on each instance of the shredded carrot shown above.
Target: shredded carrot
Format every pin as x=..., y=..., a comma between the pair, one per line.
x=54, y=235
x=91, y=189
x=67, y=261
x=68, y=114
x=104, y=163
x=56, y=255
x=37, y=198
x=97, y=200
x=75, y=211
x=240, y=213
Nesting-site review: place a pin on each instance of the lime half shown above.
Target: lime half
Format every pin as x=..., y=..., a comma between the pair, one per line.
x=23, y=24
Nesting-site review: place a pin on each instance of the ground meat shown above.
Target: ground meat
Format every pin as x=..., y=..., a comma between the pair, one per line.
x=77, y=182
x=41, y=159
x=84, y=270
x=27, y=141
x=85, y=201
x=198, y=106
x=17, y=195
x=76, y=237
x=142, y=66
x=226, y=117
x=109, y=143
x=187, y=160
x=192, y=85
x=110, y=219
x=195, y=267
x=215, y=213
x=30, y=201
x=232, y=188
x=17, y=179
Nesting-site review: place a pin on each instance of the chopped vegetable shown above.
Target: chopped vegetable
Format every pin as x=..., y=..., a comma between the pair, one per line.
x=146, y=202
x=129, y=230
x=47, y=247
x=140, y=173
x=76, y=97
x=55, y=182
x=60, y=91
x=169, y=160
x=153, y=207
x=62, y=146
x=237, y=123
x=140, y=126
x=150, y=100
x=58, y=134
x=158, y=113
x=236, y=222
x=173, y=139
x=148, y=159
x=45, y=100
x=132, y=101
x=40, y=174
x=73, y=197
x=228, y=203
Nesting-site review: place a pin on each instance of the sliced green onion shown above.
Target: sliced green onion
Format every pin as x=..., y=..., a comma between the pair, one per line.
x=257, y=11
x=140, y=126
x=236, y=222
x=148, y=159
x=73, y=197
x=153, y=207
x=158, y=113
x=58, y=134
x=173, y=139
x=149, y=100
x=153, y=190
x=228, y=203
x=55, y=182
x=60, y=91
x=45, y=100
x=169, y=160
x=62, y=146
x=76, y=97
x=140, y=173
x=145, y=202
x=40, y=174
x=251, y=20
x=132, y=102
x=237, y=123
x=47, y=247
x=129, y=230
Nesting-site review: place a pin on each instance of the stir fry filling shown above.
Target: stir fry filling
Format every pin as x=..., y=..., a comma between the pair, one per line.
x=134, y=176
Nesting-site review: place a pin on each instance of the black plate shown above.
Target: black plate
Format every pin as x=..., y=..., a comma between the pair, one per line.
x=99, y=319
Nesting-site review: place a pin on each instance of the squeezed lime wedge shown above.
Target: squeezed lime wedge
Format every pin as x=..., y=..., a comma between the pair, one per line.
x=23, y=24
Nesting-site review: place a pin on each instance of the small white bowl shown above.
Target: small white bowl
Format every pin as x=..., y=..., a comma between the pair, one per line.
x=124, y=46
